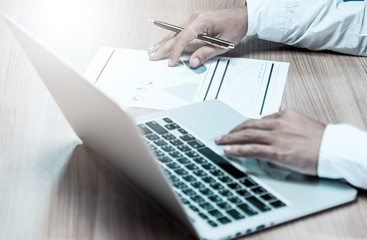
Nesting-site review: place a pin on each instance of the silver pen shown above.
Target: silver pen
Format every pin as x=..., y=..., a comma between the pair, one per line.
x=203, y=37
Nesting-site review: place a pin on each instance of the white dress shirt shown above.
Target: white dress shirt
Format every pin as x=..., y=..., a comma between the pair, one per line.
x=336, y=25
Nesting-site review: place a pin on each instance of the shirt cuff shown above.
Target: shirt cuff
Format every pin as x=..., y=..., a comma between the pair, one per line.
x=343, y=154
x=263, y=15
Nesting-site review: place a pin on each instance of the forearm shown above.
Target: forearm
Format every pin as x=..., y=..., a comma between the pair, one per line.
x=316, y=24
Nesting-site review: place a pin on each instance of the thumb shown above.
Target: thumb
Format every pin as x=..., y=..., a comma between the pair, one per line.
x=203, y=54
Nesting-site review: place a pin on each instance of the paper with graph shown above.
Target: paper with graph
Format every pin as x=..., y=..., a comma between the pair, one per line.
x=252, y=87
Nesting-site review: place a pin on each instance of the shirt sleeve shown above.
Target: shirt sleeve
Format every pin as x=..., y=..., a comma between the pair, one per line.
x=343, y=154
x=334, y=25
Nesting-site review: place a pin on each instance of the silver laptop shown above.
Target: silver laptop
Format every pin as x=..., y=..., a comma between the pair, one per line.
x=171, y=157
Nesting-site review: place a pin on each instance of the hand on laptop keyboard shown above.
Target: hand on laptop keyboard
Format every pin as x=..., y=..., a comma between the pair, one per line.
x=287, y=138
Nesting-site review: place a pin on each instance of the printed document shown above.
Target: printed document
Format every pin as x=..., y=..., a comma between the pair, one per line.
x=252, y=87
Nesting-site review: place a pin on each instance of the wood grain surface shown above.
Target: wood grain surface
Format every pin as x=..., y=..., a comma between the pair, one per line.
x=53, y=187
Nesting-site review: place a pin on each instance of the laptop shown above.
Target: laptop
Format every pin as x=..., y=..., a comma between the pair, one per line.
x=171, y=157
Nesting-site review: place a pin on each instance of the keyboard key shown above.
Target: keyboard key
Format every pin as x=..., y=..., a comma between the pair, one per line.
x=196, y=144
x=172, y=126
x=168, y=136
x=258, y=190
x=200, y=160
x=192, y=167
x=152, y=137
x=224, y=220
x=175, y=154
x=173, y=165
x=197, y=199
x=189, y=178
x=225, y=179
x=192, y=154
x=176, y=142
x=167, y=120
x=165, y=159
x=152, y=147
x=248, y=182
x=217, y=186
x=180, y=185
x=268, y=197
x=234, y=186
x=187, y=137
x=197, y=185
x=195, y=209
x=221, y=162
x=258, y=204
x=167, y=148
x=217, y=173
x=184, y=201
x=247, y=209
x=174, y=179
x=183, y=131
x=235, y=214
x=243, y=193
x=224, y=205
x=215, y=198
x=156, y=127
x=144, y=129
x=181, y=172
x=209, y=166
x=206, y=191
x=206, y=206
x=167, y=172
x=235, y=200
x=158, y=153
x=200, y=173
x=213, y=224
x=184, y=148
x=226, y=193
x=202, y=215
x=215, y=213
x=208, y=180
x=189, y=192
x=160, y=142
x=183, y=160
x=277, y=204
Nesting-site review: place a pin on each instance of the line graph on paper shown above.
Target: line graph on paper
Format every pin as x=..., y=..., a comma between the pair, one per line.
x=244, y=86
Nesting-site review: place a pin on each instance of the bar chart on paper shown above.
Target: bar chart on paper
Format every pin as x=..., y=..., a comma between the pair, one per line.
x=252, y=87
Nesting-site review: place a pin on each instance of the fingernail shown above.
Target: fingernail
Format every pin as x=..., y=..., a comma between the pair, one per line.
x=283, y=107
x=227, y=148
x=195, y=62
x=152, y=54
x=151, y=48
x=217, y=139
x=169, y=62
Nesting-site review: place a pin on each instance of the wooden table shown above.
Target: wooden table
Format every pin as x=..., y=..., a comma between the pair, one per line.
x=52, y=187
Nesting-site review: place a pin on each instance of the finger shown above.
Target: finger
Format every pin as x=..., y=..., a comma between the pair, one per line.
x=245, y=136
x=166, y=40
x=263, y=124
x=250, y=150
x=183, y=38
x=162, y=50
x=205, y=53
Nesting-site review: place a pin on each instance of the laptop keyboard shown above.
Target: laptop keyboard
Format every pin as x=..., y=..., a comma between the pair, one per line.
x=206, y=183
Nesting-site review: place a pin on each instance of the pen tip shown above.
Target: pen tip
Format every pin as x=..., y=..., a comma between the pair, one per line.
x=150, y=20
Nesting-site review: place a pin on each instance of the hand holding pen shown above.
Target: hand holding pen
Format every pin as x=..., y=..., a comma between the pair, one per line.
x=221, y=29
